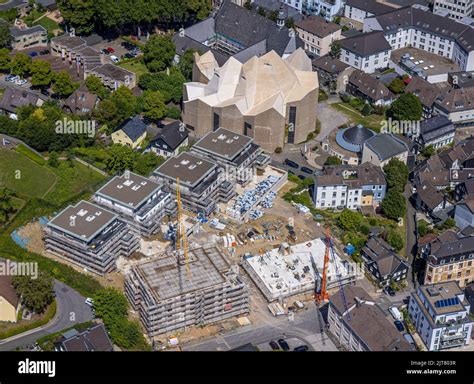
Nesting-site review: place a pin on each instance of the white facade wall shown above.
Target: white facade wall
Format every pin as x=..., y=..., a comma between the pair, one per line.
x=368, y=64
x=330, y=196
x=356, y=14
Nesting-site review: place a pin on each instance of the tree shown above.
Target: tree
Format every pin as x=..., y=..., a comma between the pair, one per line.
x=186, y=64
x=153, y=105
x=261, y=11
x=333, y=160
x=120, y=158
x=158, y=53
x=422, y=227
x=63, y=85
x=199, y=8
x=366, y=109
x=290, y=23
x=94, y=85
x=6, y=205
x=273, y=16
x=169, y=84
x=349, y=220
x=110, y=304
x=428, y=151
x=248, y=5
x=53, y=160
x=395, y=240
x=396, y=174
x=147, y=162
x=125, y=333
x=394, y=204
x=21, y=65
x=5, y=35
x=397, y=85
x=407, y=107
x=79, y=14
x=36, y=294
x=42, y=76
x=335, y=51
x=5, y=60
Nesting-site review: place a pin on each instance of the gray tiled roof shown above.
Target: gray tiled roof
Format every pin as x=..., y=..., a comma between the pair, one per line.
x=435, y=127
x=386, y=146
x=328, y=64
x=17, y=32
x=369, y=85
x=366, y=44
x=172, y=135
x=133, y=128
x=318, y=26
x=370, y=6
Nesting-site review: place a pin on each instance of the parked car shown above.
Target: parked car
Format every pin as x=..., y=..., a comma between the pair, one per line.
x=399, y=325
x=302, y=177
x=395, y=313
x=283, y=344
x=389, y=291
x=307, y=170
x=110, y=50
x=20, y=82
x=33, y=54
x=301, y=348
x=290, y=163
x=45, y=92
x=89, y=302
x=274, y=346
x=104, y=51
x=11, y=78
x=128, y=56
x=409, y=338
x=44, y=52
x=114, y=59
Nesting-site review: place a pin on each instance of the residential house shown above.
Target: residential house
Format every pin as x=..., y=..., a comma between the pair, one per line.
x=349, y=187
x=464, y=190
x=14, y=98
x=368, y=88
x=456, y=104
x=170, y=140
x=366, y=51
x=359, y=10
x=93, y=339
x=464, y=212
x=431, y=201
x=382, y=262
x=360, y=325
x=9, y=300
x=131, y=132
x=437, y=131
x=113, y=76
x=81, y=102
x=426, y=92
x=317, y=34
x=440, y=315
x=333, y=74
x=449, y=257
x=417, y=27
x=25, y=37
x=381, y=148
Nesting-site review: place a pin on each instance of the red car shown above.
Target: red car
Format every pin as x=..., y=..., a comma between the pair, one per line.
x=111, y=50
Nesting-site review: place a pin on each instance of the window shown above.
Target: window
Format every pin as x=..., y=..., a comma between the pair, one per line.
x=216, y=121
x=247, y=128
x=292, y=125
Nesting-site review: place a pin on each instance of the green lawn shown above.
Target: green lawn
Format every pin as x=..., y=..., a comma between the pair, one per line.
x=48, y=24
x=371, y=121
x=23, y=175
x=135, y=65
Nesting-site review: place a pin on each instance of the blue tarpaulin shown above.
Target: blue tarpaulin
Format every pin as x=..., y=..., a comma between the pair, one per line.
x=349, y=249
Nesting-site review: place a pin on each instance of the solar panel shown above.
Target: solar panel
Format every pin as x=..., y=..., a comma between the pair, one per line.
x=446, y=302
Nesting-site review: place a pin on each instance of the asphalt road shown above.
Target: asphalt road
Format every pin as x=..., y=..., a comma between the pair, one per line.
x=304, y=327
x=411, y=232
x=71, y=310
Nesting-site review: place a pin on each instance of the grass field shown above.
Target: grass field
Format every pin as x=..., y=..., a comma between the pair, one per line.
x=48, y=24
x=23, y=175
x=371, y=121
x=136, y=65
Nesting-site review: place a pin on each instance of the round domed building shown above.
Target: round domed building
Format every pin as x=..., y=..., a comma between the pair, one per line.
x=347, y=143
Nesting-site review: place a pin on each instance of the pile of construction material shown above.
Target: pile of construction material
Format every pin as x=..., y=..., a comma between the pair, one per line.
x=262, y=194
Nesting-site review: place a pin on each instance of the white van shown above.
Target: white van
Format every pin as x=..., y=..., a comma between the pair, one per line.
x=395, y=313
x=114, y=59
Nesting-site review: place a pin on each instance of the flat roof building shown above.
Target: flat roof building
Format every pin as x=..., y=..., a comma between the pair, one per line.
x=290, y=270
x=89, y=236
x=202, y=183
x=140, y=202
x=168, y=298
x=235, y=152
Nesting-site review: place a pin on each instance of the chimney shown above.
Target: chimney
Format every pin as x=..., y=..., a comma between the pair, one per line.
x=281, y=17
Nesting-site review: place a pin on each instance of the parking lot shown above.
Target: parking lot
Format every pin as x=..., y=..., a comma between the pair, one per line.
x=118, y=46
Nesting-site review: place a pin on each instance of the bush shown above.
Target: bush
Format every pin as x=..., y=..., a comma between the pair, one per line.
x=349, y=220
x=173, y=112
x=395, y=240
x=333, y=160
x=278, y=150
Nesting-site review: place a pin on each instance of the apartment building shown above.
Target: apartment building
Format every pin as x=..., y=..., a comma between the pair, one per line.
x=359, y=10
x=23, y=38
x=89, y=236
x=456, y=9
x=237, y=154
x=113, y=76
x=368, y=88
x=169, y=298
x=437, y=132
x=327, y=9
x=138, y=201
x=349, y=187
x=440, y=314
x=202, y=182
x=366, y=51
x=417, y=27
x=317, y=34
x=456, y=104
x=450, y=260
x=362, y=325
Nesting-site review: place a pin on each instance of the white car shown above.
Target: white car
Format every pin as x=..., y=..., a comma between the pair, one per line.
x=114, y=59
x=21, y=82
x=89, y=302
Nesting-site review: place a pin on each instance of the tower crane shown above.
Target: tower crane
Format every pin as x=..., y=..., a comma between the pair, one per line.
x=181, y=239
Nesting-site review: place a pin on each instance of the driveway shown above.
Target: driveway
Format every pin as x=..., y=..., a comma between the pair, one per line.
x=330, y=119
x=71, y=310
